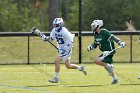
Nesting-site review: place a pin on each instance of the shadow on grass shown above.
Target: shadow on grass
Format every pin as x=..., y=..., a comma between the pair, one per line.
x=24, y=88
x=69, y=85
x=85, y=85
x=130, y=84
x=88, y=85
x=42, y=85
x=103, y=85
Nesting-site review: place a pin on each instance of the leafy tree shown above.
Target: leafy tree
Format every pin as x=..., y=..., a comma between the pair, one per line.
x=22, y=15
x=11, y=20
x=72, y=21
x=87, y=14
x=116, y=12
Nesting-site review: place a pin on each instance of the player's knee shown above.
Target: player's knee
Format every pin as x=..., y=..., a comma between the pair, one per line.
x=56, y=62
x=68, y=66
x=97, y=61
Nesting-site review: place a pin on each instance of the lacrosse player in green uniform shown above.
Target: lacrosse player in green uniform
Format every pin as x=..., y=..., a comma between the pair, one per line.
x=105, y=41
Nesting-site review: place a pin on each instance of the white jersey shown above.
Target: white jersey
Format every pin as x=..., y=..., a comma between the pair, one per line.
x=63, y=36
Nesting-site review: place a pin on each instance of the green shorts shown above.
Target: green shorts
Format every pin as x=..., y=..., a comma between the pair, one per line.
x=108, y=59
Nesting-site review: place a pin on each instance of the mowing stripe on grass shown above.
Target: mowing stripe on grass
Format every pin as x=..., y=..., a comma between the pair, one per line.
x=24, y=88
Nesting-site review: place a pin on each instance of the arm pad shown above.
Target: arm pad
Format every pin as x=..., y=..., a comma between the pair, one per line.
x=115, y=38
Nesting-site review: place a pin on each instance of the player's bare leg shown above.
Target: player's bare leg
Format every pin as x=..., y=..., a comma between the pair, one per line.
x=57, y=70
x=74, y=66
x=70, y=66
x=99, y=61
x=109, y=68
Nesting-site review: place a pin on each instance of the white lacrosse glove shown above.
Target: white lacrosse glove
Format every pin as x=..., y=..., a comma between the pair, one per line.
x=106, y=53
x=46, y=38
x=35, y=30
x=90, y=47
x=122, y=44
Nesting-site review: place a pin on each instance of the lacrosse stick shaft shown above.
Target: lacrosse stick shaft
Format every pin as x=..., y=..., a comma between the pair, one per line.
x=53, y=45
x=111, y=51
x=48, y=41
x=42, y=35
x=114, y=49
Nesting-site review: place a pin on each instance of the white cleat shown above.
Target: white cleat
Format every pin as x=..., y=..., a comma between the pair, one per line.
x=82, y=69
x=138, y=77
x=115, y=81
x=54, y=80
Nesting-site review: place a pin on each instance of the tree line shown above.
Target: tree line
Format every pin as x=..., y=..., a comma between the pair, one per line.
x=21, y=15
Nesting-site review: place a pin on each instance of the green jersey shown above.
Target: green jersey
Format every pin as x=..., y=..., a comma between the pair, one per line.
x=103, y=39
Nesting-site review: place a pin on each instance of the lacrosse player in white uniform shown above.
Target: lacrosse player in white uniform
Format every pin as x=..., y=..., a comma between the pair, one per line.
x=65, y=43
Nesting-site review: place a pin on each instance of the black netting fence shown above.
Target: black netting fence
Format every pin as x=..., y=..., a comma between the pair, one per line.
x=31, y=49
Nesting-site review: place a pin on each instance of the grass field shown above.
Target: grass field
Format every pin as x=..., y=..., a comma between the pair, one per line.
x=34, y=79
x=15, y=50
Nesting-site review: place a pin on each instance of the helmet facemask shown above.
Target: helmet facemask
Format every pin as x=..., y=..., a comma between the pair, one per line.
x=56, y=26
x=57, y=23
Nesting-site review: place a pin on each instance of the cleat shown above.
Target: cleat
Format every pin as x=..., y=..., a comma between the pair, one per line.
x=115, y=81
x=138, y=77
x=54, y=80
x=82, y=69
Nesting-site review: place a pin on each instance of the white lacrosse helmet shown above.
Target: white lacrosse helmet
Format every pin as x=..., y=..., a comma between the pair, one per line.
x=57, y=23
x=96, y=23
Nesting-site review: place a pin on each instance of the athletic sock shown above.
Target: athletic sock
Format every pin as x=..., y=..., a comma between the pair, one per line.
x=107, y=65
x=79, y=68
x=56, y=74
x=115, y=77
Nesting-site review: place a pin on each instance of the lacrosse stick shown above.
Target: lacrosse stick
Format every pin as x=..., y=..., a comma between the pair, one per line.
x=42, y=35
x=114, y=49
x=108, y=53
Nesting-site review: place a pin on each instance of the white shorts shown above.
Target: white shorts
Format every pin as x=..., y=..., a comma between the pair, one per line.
x=66, y=55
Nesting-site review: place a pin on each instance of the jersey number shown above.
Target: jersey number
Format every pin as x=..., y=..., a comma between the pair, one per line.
x=60, y=40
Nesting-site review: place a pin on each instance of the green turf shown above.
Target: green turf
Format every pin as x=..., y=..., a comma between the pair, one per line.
x=34, y=79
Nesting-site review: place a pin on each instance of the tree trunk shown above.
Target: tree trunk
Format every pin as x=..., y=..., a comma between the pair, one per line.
x=53, y=11
x=19, y=5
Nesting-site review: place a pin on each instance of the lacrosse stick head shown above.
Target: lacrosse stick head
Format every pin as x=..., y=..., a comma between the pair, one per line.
x=35, y=30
